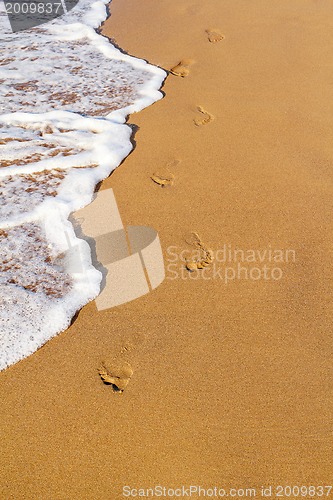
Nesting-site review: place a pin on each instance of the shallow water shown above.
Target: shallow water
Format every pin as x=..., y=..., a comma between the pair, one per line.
x=65, y=94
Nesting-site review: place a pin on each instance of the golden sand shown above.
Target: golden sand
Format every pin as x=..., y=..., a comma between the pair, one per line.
x=232, y=382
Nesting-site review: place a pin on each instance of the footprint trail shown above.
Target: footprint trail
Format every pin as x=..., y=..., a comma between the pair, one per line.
x=214, y=35
x=207, y=117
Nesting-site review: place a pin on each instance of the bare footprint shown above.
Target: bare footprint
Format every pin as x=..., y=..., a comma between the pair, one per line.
x=182, y=68
x=214, y=35
x=127, y=348
x=207, y=117
x=165, y=178
x=115, y=373
x=162, y=180
x=205, y=255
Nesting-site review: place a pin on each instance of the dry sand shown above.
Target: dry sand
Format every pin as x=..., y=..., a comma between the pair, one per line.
x=232, y=384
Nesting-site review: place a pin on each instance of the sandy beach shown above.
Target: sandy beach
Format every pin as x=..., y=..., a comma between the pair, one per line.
x=232, y=374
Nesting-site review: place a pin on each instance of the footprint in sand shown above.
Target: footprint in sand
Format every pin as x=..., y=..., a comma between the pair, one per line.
x=127, y=348
x=165, y=178
x=182, y=68
x=163, y=181
x=206, y=118
x=205, y=257
x=214, y=35
x=115, y=373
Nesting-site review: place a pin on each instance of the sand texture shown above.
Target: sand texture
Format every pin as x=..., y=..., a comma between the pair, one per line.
x=221, y=384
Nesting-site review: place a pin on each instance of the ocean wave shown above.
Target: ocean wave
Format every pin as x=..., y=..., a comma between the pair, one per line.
x=65, y=94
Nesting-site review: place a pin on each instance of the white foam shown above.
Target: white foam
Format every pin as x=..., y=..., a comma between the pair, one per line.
x=65, y=94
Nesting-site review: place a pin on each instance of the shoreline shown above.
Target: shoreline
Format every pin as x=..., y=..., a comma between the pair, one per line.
x=231, y=386
x=89, y=132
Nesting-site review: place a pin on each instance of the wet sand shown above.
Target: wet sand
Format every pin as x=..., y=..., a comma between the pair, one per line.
x=232, y=382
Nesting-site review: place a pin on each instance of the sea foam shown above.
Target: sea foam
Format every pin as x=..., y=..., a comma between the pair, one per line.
x=65, y=94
